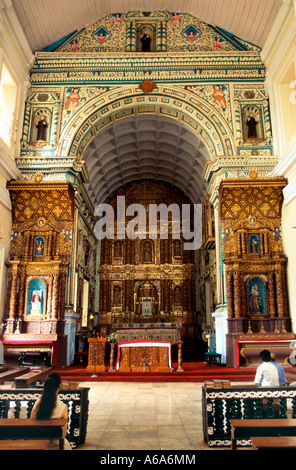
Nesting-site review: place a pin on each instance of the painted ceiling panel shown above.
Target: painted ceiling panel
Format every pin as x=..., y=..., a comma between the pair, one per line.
x=46, y=22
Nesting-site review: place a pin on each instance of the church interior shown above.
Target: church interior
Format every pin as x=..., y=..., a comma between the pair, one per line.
x=110, y=111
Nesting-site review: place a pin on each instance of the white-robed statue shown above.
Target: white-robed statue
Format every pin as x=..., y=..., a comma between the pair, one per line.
x=36, y=303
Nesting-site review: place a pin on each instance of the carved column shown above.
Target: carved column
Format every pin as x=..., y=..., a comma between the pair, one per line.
x=21, y=298
x=266, y=116
x=271, y=289
x=237, y=295
x=13, y=296
x=164, y=37
x=279, y=292
x=55, y=297
x=158, y=35
x=133, y=37
x=230, y=295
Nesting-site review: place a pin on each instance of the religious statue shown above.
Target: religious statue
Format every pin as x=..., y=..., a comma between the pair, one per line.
x=36, y=302
x=117, y=250
x=147, y=252
x=41, y=129
x=177, y=296
x=255, y=300
x=117, y=296
x=39, y=247
x=252, y=123
x=146, y=41
x=254, y=245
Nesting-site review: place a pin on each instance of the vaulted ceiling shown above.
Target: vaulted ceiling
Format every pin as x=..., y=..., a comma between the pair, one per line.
x=46, y=21
x=146, y=147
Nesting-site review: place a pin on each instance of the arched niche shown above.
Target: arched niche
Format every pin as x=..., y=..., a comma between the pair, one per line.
x=36, y=298
x=41, y=125
x=256, y=296
x=252, y=122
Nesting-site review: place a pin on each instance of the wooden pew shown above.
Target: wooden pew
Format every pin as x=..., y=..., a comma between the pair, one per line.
x=247, y=428
x=23, y=444
x=31, y=377
x=29, y=429
x=279, y=442
x=13, y=373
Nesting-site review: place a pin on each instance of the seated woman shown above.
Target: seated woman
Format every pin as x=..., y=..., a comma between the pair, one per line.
x=50, y=407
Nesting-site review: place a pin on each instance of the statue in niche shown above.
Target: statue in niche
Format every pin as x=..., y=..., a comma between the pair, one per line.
x=146, y=41
x=251, y=124
x=177, y=296
x=36, y=302
x=116, y=296
x=117, y=250
x=39, y=246
x=255, y=300
x=177, y=249
x=42, y=129
x=147, y=252
x=254, y=244
x=86, y=254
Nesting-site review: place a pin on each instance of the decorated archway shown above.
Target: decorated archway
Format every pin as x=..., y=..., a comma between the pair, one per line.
x=178, y=104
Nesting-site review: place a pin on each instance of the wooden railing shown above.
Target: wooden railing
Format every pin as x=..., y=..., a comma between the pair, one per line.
x=219, y=406
x=18, y=403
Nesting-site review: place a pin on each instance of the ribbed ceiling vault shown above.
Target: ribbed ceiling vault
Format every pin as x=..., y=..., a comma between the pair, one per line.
x=145, y=147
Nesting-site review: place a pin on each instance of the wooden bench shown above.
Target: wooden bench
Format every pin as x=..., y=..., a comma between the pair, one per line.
x=247, y=428
x=279, y=442
x=35, y=429
x=23, y=444
x=31, y=377
x=13, y=373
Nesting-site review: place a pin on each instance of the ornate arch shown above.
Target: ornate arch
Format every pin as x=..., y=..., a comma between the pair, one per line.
x=169, y=101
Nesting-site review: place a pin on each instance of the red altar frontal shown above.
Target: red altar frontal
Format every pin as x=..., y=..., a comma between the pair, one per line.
x=144, y=356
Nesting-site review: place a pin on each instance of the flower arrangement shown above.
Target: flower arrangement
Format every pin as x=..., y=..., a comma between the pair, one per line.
x=112, y=338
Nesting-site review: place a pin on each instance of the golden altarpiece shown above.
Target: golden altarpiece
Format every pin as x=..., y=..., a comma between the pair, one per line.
x=147, y=286
x=43, y=216
x=257, y=301
x=62, y=280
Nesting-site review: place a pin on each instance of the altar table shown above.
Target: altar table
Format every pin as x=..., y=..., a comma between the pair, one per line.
x=144, y=356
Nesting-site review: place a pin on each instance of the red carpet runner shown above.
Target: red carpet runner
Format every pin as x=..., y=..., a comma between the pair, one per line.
x=193, y=372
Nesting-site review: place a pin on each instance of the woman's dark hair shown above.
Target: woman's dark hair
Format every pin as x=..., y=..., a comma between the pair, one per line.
x=49, y=396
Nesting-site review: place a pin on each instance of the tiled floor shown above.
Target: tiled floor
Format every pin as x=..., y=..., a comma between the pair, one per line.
x=144, y=416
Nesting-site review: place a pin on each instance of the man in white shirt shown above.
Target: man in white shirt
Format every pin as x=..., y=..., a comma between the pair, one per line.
x=266, y=374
